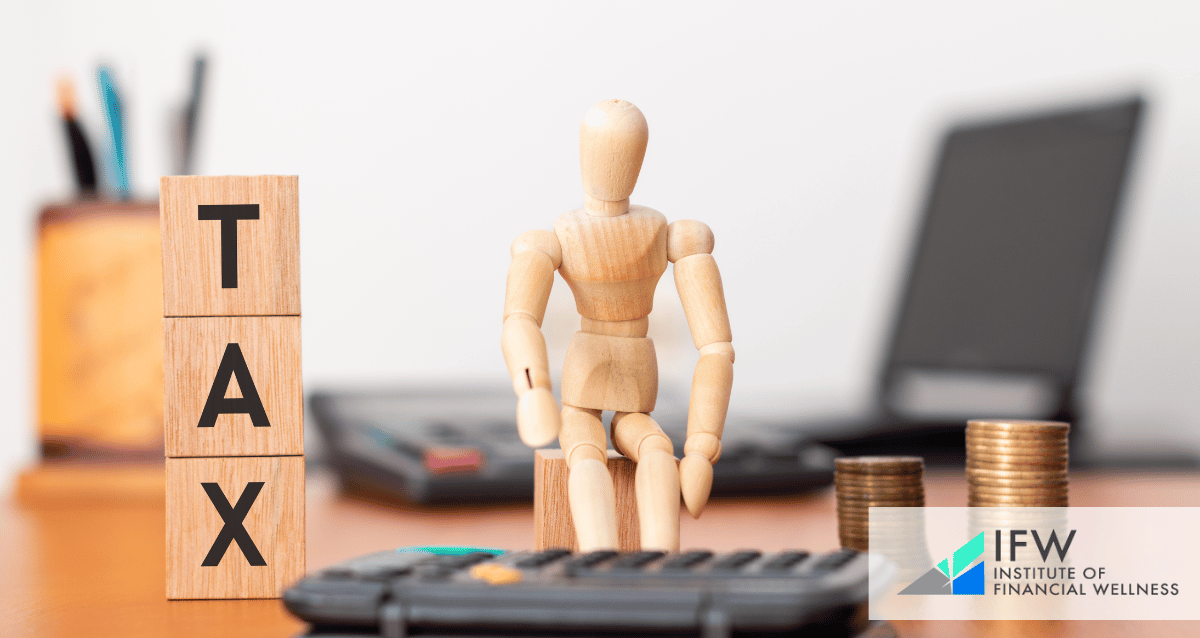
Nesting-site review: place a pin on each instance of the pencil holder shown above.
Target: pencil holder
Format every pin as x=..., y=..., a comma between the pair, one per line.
x=99, y=322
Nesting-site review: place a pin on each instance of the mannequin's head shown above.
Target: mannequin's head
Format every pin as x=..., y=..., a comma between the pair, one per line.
x=612, y=143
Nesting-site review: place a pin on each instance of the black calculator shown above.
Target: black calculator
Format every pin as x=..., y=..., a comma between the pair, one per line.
x=486, y=592
x=436, y=445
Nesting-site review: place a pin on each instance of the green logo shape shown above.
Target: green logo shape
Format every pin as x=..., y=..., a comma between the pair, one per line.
x=944, y=566
x=965, y=555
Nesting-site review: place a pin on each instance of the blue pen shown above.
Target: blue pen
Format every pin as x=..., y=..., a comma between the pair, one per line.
x=119, y=168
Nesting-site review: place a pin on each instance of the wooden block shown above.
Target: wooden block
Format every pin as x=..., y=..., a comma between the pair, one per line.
x=200, y=276
x=235, y=526
x=203, y=353
x=552, y=526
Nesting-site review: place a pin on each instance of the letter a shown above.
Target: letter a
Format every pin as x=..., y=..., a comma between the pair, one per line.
x=233, y=363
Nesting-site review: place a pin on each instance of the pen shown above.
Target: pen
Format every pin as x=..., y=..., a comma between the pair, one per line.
x=111, y=100
x=81, y=153
x=188, y=128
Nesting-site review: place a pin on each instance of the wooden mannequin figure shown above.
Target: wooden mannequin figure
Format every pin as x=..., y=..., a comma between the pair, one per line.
x=612, y=254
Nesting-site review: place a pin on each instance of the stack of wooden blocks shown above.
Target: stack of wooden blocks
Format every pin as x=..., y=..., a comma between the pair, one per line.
x=234, y=401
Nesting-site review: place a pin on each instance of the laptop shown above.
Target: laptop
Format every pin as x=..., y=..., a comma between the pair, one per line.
x=998, y=306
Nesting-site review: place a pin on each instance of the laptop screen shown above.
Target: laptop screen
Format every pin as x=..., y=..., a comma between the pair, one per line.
x=1014, y=240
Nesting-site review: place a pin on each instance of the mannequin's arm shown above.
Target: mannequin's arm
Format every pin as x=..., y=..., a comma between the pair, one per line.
x=689, y=247
x=535, y=257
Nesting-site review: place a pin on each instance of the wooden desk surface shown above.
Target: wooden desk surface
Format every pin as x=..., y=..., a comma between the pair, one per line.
x=99, y=570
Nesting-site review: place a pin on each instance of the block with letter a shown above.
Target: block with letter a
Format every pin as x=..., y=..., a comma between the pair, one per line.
x=233, y=393
x=234, y=387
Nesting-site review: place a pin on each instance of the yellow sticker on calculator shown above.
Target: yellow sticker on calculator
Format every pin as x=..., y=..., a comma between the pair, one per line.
x=495, y=574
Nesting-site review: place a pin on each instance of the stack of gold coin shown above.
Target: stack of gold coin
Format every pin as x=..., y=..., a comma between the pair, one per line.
x=1017, y=463
x=874, y=481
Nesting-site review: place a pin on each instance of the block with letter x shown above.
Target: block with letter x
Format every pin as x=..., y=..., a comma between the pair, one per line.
x=238, y=526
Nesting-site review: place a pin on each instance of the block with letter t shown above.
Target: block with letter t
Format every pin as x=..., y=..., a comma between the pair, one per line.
x=233, y=393
x=231, y=246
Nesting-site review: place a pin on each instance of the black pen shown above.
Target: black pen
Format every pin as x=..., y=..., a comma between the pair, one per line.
x=190, y=112
x=81, y=153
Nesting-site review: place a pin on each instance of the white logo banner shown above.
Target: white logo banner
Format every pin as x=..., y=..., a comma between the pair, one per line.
x=1034, y=563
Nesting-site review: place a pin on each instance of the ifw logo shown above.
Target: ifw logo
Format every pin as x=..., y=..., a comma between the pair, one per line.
x=940, y=580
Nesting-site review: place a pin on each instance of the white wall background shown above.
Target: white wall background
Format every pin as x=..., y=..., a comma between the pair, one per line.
x=428, y=135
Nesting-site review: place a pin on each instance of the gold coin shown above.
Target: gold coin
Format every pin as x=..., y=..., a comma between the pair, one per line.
x=1041, y=475
x=887, y=480
x=853, y=506
x=874, y=465
x=1009, y=448
x=882, y=492
x=1017, y=436
x=1058, y=450
x=1016, y=501
x=1017, y=466
x=982, y=480
x=880, y=489
x=1022, y=524
x=991, y=490
x=1018, y=426
x=980, y=454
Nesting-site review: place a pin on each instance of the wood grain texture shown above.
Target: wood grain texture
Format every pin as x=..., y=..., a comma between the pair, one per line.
x=612, y=145
x=268, y=248
x=275, y=523
x=530, y=277
x=603, y=372
x=688, y=237
x=194, y=348
x=108, y=582
x=613, y=264
x=92, y=484
x=699, y=284
x=99, y=352
x=552, y=525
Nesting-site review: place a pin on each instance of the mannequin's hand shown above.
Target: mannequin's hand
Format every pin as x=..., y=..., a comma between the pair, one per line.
x=538, y=418
x=695, y=482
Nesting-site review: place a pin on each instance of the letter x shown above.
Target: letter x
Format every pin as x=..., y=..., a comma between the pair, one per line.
x=233, y=529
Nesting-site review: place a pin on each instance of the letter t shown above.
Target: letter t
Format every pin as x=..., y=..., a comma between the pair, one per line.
x=228, y=215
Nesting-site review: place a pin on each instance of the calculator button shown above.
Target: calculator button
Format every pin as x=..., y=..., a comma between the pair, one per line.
x=453, y=460
x=835, y=560
x=542, y=558
x=494, y=574
x=465, y=560
x=784, y=562
x=591, y=559
x=636, y=560
x=735, y=561
x=687, y=560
